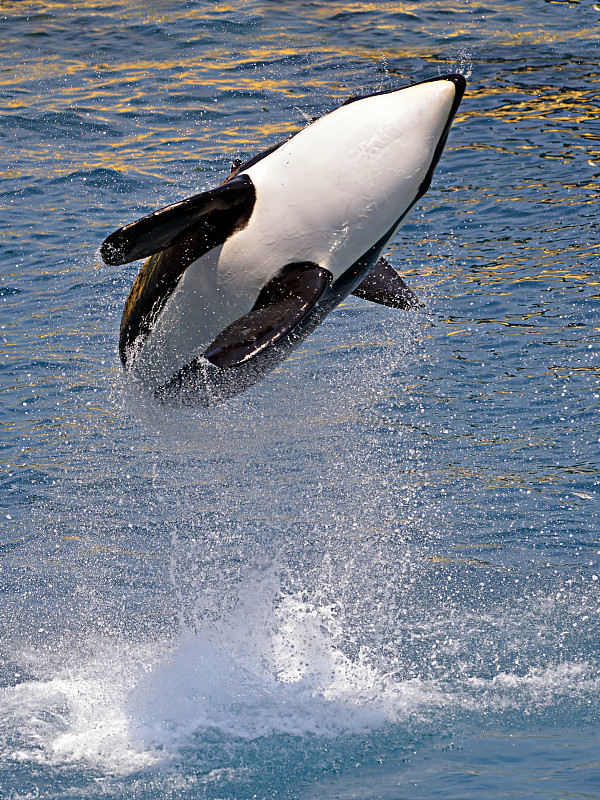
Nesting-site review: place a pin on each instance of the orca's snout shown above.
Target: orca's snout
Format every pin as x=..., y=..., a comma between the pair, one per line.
x=459, y=81
x=450, y=108
x=460, y=84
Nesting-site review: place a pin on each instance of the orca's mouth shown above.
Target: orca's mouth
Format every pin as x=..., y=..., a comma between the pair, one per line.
x=460, y=84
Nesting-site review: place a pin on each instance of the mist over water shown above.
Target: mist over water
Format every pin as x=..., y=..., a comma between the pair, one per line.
x=376, y=573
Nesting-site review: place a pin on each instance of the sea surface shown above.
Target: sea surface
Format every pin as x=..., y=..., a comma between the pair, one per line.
x=376, y=574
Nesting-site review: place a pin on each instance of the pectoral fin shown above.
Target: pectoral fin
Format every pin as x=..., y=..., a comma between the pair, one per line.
x=383, y=285
x=282, y=304
x=225, y=207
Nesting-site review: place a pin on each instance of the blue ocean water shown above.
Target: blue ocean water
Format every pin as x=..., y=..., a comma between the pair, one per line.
x=376, y=574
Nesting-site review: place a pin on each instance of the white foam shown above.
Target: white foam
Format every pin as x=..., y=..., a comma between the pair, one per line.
x=260, y=679
x=539, y=685
x=78, y=715
x=279, y=663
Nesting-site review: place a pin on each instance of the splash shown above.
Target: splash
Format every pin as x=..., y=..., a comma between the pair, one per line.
x=279, y=664
x=77, y=714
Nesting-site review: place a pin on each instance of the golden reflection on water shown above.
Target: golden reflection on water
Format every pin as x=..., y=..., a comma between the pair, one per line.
x=102, y=92
x=551, y=102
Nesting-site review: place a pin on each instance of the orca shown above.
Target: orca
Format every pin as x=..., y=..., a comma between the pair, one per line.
x=238, y=276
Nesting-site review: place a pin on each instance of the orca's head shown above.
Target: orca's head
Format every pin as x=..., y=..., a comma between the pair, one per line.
x=345, y=183
x=406, y=128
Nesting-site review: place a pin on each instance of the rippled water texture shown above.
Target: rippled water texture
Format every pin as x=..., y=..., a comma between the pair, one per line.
x=374, y=575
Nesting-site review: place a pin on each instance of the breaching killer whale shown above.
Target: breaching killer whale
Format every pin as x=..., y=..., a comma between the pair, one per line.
x=239, y=275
